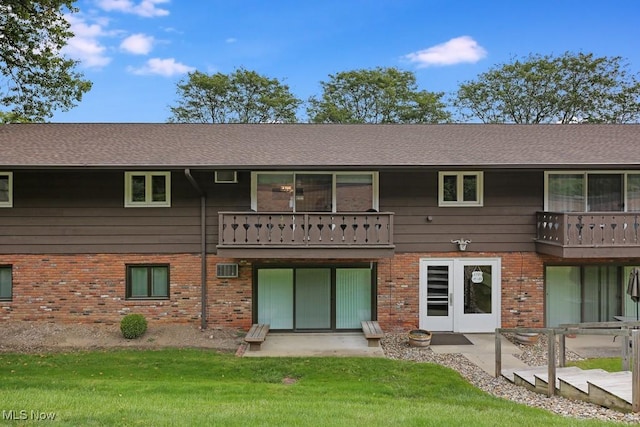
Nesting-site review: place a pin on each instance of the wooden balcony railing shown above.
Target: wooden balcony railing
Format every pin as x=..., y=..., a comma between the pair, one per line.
x=617, y=231
x=311, y=230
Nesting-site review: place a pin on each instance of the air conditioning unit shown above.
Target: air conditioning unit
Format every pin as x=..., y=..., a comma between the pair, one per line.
x=226, y=177
x=226, y=270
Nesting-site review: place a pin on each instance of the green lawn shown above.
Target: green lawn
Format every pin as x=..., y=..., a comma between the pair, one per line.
x=199, y=387
x=610, y=364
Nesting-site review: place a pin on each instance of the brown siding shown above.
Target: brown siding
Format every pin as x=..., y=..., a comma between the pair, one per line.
x=506, y=222
x=83, y=212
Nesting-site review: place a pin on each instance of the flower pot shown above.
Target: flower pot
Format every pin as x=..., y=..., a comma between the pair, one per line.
x=419, y=338
x=527, y=338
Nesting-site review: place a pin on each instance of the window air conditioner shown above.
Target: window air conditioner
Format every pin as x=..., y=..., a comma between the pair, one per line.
x=226, y=270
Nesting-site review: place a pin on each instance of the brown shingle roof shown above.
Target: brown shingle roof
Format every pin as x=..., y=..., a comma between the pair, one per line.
x=251, y=146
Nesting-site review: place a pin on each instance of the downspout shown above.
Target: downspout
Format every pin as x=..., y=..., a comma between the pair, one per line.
x=203, y=248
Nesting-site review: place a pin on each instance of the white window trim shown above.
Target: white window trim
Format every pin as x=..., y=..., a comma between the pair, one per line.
x=148, y=203
x=460, y=189
x=374, y=184
x=219, y=180
x=585, y=190
x=8, y=203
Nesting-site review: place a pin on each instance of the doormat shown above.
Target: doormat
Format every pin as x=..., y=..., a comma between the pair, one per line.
x=449, y=339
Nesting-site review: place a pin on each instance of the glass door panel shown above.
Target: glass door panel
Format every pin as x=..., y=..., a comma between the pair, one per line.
x=601, y=298
x=274, y=192
x=566, y=193
x=436, y=293
x=477, y=289
x=476, y=304
x=313, y=192
x=275, y=297
x=353, y=297
x=313, y=298
x=605, y=193
x=354, y=193
x=563, y=295
x=633, y=192
x=630, y=308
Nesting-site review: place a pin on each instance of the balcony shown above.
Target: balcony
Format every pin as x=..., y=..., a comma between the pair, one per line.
x=305, y=235
x=588, y=234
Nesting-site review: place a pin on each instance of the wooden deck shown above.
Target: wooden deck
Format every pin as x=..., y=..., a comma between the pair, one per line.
x=609, y=389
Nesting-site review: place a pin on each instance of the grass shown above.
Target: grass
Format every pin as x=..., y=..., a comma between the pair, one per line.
x=199, y=387
x=609, y=364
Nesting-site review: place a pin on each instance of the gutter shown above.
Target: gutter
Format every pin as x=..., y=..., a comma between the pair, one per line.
x=203, y=248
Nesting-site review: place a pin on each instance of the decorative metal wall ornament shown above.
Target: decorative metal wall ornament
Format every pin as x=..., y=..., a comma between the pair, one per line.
x=462, y=243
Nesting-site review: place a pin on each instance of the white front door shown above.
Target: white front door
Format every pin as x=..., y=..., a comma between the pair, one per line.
x=460, y=294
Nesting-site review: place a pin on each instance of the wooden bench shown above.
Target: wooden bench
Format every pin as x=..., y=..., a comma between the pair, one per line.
x=372, y=332
x=256, y=335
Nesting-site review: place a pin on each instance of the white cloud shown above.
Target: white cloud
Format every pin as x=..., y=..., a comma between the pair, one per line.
x=231, y=40
x=455, y=51
x=85, y=46
x=137, y=44
x=145, y=8
x=164, y=67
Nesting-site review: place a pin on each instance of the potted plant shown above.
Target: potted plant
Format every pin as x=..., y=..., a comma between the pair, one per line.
x=419, y=338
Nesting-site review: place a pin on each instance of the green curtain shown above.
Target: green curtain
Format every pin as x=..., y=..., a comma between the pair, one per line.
x=353, y=297
x=275, y=297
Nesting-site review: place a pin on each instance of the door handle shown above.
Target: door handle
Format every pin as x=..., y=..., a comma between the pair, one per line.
x=451, y=300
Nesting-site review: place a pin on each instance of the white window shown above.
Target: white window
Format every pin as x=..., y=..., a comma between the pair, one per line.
x=602, y=191
x=460, y=188
x=147, y=189
x=6, y=189
x=314, y=191
x=226, y=177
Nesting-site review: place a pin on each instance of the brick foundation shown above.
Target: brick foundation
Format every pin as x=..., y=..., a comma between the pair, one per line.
x=91, y=289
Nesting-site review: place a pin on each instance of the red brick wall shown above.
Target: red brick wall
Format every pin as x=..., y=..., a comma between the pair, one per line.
x=229, y=300
x=522, y=301
x=91, y=289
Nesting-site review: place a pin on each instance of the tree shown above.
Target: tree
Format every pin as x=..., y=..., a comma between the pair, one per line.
x=380, y=95
x=571, y=88
x=35, y=79
x=240, y=97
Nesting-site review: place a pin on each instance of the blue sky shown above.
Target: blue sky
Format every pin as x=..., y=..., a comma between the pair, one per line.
x=136, y=51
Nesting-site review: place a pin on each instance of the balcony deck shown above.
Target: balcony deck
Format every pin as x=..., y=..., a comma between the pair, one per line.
x=588, y=234
x=361, y=235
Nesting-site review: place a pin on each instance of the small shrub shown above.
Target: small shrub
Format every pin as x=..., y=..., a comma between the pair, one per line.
x=133, y=326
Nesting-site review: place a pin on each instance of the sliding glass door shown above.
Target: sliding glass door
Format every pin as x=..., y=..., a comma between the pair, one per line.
x=353, y=297
x=594, y=293
x=314, y=298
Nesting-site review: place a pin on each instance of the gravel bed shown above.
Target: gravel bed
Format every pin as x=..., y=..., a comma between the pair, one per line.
x=396, y=346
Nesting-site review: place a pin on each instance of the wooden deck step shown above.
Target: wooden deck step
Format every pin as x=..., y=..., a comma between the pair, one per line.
x=541, y=379
x=527, y=377
x=581, y=382
x=617, y=384
x=544, y=376
x=608, y=389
